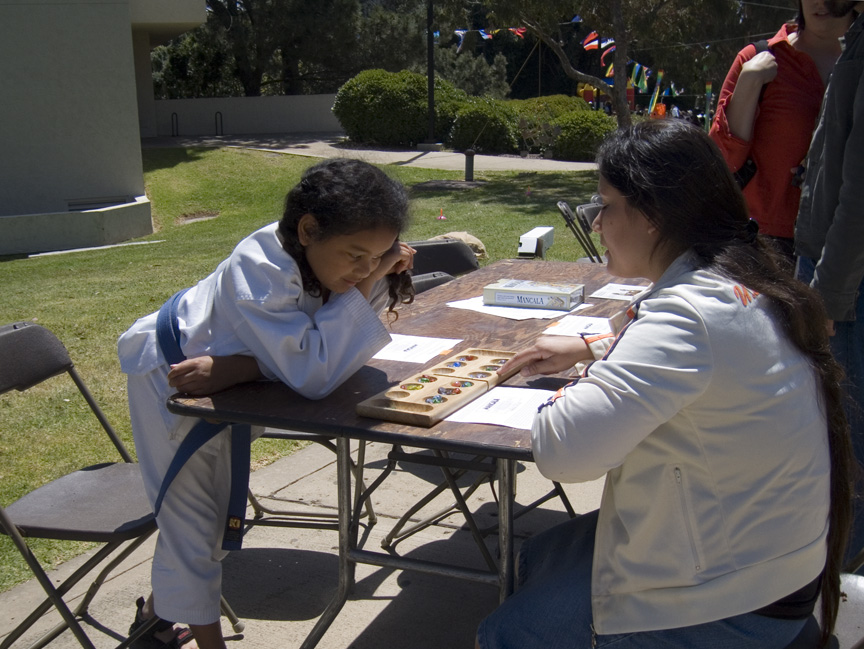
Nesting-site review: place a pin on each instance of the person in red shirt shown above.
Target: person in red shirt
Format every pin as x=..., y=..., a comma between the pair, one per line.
x=767, y=111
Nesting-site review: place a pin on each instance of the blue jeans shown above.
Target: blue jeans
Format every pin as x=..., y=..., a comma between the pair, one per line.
x=552, y=607
x=847, y=343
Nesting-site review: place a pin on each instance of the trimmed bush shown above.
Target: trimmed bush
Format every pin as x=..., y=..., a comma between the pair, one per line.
x=390, y=108
x=487, y=126
x=581, y=134
x=535, y=118
x=546, y=109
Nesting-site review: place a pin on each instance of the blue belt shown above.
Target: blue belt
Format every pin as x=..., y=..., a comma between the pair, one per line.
x=168, y=334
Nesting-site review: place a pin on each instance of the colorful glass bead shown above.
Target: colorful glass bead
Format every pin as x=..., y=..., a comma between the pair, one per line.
x=478, y=375
x=467, y=359
x=455, y=364
x=425, y=378
x=490, y=368
x=461, y=384
x=449, y=391
x=435, y=399
x=411, y=386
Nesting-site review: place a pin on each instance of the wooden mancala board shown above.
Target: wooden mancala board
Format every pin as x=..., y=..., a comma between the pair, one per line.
x=432, y=394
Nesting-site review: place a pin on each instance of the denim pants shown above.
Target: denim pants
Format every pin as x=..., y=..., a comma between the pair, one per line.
x=847, y=343
x=552, y=607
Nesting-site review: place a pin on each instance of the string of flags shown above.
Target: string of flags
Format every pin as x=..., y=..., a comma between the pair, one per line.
x=639, y=74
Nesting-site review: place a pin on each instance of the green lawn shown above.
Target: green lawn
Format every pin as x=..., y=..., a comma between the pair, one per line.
x=89, y=298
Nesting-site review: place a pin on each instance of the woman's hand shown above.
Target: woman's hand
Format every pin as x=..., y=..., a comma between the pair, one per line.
x=549, y=355
x=209, y=374
x=762, y=68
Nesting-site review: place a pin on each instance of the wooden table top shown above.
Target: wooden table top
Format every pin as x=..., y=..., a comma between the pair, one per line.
x=274, y=405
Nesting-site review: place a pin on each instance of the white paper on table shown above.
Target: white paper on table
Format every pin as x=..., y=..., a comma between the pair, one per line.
x=415, y=349
x=503, y=406
x=576, y=325
x=511, y=312
x=612, y=291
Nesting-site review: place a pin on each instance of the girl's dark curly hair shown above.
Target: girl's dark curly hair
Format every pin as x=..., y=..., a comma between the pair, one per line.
x=346, y=196
x=675, y=175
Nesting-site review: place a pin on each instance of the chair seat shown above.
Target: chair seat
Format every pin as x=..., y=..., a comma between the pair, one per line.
x=101, y=503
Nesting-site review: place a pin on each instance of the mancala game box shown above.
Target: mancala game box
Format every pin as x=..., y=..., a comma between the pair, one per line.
x=534, y=295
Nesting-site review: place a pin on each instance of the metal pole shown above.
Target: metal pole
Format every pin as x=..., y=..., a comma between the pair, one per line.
x=469, y=165
x=430, y=70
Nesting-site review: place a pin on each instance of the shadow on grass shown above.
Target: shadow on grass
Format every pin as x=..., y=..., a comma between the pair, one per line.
x=167, y=158
x=531, y=192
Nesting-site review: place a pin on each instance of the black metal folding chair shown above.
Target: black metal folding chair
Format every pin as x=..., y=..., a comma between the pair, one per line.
x=104, y=503
x=580, y=225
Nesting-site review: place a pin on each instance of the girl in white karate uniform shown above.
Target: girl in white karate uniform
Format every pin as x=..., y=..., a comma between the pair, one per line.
x=297, y=301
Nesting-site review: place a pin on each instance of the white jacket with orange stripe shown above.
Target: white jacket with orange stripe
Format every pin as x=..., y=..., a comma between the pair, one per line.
x=709, y=427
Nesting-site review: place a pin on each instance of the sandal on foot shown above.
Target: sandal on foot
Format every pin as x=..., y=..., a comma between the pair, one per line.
x=181, y=637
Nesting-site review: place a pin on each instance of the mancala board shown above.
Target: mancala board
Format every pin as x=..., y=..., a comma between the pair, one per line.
x=430, y=395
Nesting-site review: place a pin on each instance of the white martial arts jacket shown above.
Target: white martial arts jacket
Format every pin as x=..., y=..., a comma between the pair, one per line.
x=254, y=304
x=709, y=428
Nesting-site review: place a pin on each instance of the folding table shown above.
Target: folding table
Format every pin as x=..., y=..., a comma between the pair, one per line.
x=274, y=405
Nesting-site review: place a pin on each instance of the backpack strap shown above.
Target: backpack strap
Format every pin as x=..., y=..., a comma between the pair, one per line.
x=761, y=46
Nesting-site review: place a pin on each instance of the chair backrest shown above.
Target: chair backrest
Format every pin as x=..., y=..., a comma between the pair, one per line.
x=29, y=354
x=581, y=229
x=450, y=256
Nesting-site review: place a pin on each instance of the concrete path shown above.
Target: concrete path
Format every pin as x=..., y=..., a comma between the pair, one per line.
x=284, y=577
x=329, y=145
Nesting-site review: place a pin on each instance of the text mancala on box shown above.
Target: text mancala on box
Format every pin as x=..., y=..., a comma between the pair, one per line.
x=535, y=295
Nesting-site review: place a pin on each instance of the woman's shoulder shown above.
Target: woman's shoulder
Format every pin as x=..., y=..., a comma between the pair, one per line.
x=712, y=298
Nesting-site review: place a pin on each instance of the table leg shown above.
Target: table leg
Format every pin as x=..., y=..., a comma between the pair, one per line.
x=507, y=489
x=347, y=543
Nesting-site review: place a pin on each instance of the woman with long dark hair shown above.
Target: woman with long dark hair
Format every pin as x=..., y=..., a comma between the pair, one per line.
x=716, y=416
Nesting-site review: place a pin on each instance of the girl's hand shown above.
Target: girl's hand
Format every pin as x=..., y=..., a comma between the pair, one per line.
x=209, y=374
x=399, y=259
x=549, y=355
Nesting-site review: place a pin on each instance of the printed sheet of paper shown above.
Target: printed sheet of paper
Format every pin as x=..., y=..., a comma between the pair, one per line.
x=415, y=349
x=503, y=406
x=612, y=291
x=576, y=325
x=511, y=312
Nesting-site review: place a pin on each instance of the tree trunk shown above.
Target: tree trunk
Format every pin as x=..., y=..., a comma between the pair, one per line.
x=619, y=96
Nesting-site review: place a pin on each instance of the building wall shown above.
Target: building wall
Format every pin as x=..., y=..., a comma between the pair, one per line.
x=246, y=115
x=70, y=135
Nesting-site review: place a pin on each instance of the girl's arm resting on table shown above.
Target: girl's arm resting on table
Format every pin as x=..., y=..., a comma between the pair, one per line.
x=209, y=374
x=312, y=355
x=659, y=365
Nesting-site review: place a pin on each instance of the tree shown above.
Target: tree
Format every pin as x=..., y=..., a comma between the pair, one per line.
x=696, y=38
x=391, y=36
x=472, y=73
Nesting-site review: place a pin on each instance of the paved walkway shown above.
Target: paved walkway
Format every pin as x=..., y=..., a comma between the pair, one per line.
x=284, y=577
x=329, y=145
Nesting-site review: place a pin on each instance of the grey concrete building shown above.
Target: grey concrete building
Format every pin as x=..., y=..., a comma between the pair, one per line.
x=76, y=96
